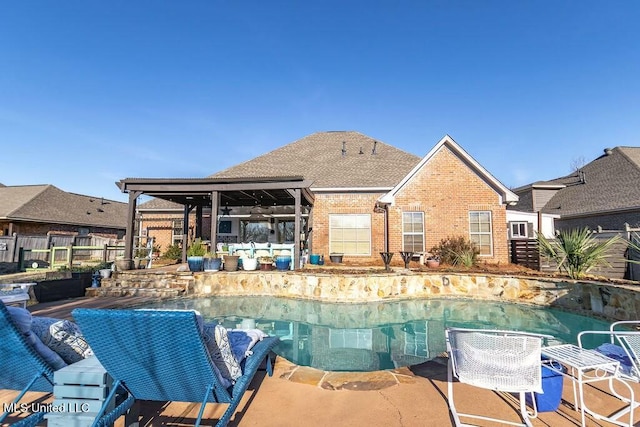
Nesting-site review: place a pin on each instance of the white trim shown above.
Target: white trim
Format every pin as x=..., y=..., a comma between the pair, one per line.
x=482, y=233
x=350, y=189
x=505, y=195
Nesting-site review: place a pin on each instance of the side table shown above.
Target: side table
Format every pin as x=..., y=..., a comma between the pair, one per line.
x=79, y=392
x=583, y=366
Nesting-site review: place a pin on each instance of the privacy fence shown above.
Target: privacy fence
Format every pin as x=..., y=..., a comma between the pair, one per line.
x=525, y=252
x=20, y=252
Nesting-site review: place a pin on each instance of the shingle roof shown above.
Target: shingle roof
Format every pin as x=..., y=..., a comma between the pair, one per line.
x=610, y=183
x=160, y=204
x=319, y=158
x=49, y=204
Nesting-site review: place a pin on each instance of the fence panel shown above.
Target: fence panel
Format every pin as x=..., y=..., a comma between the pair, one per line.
x=7, y=248
x=525, y=252
x=32, y=242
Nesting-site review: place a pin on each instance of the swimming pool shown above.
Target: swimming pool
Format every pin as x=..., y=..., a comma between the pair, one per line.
x=380, y=335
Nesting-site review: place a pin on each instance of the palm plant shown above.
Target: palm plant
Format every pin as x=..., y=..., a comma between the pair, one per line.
x=576, y=251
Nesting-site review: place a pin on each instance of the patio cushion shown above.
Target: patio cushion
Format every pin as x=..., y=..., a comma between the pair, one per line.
x=23, y=320
x=63, y=337
x=217, y=342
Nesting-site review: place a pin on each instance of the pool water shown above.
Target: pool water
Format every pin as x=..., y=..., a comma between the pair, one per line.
x=380, y=335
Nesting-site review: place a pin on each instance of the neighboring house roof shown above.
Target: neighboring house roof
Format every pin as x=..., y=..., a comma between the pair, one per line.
x=607, y=184
x=319, y=157
x=156, y=204
x=49, y=204
x=506, y=195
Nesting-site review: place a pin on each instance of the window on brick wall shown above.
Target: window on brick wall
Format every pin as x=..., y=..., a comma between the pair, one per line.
x=350, y=234
x=413, y=231
x=480, y=231
x=177, y=231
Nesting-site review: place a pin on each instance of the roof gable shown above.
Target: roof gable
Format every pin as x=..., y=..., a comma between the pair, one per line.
x=340, y=159
x=506, y=195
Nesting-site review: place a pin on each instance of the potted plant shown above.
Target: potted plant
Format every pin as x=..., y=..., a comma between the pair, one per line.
x=249, y=262
x=336, y=258
x=155, y=251
x=433, y=261
x=124, y=264
x=104, y=269
x=140, y=259
x=195, y=255
x=212, y=262
x=266, y=262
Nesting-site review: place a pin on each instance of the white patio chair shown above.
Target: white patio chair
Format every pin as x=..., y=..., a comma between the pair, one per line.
x=623, y=345
x=504, y=361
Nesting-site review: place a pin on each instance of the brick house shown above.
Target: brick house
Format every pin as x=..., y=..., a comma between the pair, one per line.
x=45, y=209
x=369, y=197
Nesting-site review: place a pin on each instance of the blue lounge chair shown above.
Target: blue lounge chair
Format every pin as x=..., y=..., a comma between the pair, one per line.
x=161, y=356
x=22, y=368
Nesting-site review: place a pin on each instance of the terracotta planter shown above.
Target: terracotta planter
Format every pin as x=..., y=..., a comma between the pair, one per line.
x=231, y=262
x=433, y=263
x=266, y=267
x=124, y=264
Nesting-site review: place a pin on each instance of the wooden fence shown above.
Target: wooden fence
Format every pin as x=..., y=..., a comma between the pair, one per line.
x=20, y=252
x=525, y=252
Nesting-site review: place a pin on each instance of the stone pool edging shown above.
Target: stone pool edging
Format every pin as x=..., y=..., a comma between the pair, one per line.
x=611, y=301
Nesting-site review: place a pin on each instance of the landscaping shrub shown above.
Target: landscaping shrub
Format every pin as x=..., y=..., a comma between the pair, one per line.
x=173, y=252
x=456, y=251
x=576, y=251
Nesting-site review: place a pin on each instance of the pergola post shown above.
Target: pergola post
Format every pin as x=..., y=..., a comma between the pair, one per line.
x=185, y=232
x=131, y=217
x=296, y=229
x=215, y=201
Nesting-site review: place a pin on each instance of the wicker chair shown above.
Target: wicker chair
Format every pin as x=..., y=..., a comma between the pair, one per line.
x=22, y=367
x=161, y=356
x=504, y=361
x=622, y=344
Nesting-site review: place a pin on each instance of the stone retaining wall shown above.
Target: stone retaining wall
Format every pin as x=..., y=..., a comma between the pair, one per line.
x=611, y=301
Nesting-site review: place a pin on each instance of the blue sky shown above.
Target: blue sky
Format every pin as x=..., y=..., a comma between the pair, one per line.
x=92, y=92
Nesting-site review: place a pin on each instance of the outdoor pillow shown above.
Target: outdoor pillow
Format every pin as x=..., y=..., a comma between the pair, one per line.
x=217, y=342
x=23, y=321
x=63, y=337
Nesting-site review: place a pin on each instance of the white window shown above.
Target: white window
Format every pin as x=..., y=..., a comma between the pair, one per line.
x=177, y=229
x=519, y=230
x=415, y=339
x=350, y=234
x=480, y=231
x=351, y=338
x=413, y=231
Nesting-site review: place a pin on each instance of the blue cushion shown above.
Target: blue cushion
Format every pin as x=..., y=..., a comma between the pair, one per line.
x=617, y=353
x=23, y=321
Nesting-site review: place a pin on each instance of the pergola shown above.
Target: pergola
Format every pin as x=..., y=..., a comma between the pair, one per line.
x=215, y=192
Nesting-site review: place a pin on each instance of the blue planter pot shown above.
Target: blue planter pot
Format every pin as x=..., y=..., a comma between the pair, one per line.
x=212, y=264
x=196, y=263
x=283, y=263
